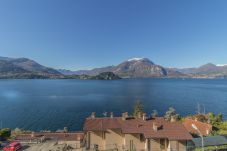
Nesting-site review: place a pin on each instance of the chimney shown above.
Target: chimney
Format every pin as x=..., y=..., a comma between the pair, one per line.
x=78, y=137
x=207, y=132
x=144, y=117
x=33, y=134
x=124, y=116
x=93, y=115
x=155, y=126
x=111, y=115
x=66, y=130
x=173, y=119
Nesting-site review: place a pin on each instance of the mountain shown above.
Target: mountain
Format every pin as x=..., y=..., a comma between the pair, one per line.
x=142, y=67
x=132, y=68
x=66, y=72
x=95, y=71
x=207, y=70
x=8, y=67
x=25, y=68
x=33, y=66
x=174, y=73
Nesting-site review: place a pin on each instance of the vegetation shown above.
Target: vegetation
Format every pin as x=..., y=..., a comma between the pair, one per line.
x=138, y=109
x=171, y=113
x=215, y=120
x=5, y=133
x=101, y=76
x=155, y=113
x=220, y=126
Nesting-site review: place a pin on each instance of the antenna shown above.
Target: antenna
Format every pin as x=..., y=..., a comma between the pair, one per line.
x=1, y=124
x=198, y=108
x=204, y=109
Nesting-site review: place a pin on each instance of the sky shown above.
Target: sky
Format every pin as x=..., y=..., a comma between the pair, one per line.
x=83, y=34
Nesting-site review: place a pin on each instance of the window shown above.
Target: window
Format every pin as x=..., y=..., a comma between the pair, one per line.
x=142, y=137
x=162, y=143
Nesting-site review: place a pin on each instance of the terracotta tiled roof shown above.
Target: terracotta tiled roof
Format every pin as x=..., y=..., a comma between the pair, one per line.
x=204, y=128
x=59, y=136
x=170, y=130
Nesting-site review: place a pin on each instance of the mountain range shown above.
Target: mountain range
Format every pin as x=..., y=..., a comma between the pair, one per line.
x=23, y=68
x=145, y=68
x=132, y=68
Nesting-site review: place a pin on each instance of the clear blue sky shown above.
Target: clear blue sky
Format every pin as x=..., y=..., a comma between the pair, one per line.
x=82, y=34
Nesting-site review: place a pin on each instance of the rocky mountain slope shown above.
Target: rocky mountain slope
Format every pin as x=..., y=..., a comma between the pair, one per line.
x=25, y=68
x=133, y=68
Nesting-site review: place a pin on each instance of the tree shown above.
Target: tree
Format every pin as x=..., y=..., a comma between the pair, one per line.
x=5, y=133
x=215, y=120
x=138, y=109
x=171, y=113
x=155, y=113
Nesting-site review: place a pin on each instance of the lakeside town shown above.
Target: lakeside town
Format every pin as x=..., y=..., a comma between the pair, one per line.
x=136, y=132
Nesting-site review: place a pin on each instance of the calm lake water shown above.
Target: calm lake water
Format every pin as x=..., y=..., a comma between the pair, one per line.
x=54, y=104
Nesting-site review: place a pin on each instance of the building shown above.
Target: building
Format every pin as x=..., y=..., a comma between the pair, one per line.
x=73, y=139
x=204, y=128
x=128, y=133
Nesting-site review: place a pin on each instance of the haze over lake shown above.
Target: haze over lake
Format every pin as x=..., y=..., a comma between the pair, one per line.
x=54, y=104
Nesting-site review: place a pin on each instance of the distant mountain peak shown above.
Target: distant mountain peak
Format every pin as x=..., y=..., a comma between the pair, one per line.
x=135, y=59
x=210, y=64
x=140, y=60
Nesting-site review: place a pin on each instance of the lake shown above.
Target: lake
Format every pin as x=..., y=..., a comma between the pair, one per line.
x=54, y=104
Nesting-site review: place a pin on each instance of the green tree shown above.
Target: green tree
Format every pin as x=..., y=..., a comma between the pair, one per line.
x=215, y=120
x=138, y=109
x=171, y=113
x=5, y=133
x=155, y=113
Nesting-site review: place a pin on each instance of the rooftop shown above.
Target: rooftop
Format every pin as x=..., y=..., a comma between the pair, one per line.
x=164, y=129
x=204, y=128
